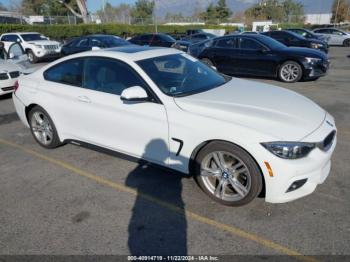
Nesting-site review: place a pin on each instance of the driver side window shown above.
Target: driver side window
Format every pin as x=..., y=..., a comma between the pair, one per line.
x=109, y=76
x=249, y=44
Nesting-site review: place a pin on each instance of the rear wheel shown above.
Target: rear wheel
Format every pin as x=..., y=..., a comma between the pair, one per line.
x=290, y=72
x=346, y=43
x=43, y=128
x=228, y=174
x=32, y=57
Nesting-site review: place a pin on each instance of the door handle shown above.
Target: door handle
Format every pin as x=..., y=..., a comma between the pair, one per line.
x=84, y=99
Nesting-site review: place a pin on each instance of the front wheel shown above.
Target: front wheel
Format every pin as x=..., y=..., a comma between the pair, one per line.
x=346, y=43
x=290, y=72
x=32, y=57
x=43, y=128
x=228, y=174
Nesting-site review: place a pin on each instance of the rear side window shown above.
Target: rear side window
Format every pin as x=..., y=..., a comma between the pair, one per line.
x=323, y=31
x=83, y=43
x=109, y=76
x=225, y=43
x=68, y=72
x=250, y=44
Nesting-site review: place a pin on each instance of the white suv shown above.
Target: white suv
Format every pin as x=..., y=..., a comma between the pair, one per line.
x=35, y=45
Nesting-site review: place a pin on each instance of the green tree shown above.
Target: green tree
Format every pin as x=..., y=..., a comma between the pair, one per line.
x=340, y=11
x=142, y=11
x=277, y=10
x=222, y=11
x=116, y=14
x=46, y=7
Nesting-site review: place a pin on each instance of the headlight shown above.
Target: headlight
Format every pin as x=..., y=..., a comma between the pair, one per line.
x=289, y=150
x=39, y=46
x=313, y=60
x=316, y=46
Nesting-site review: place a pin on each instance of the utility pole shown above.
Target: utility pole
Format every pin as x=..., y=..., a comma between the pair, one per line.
x=336, y=13
x=155, y=16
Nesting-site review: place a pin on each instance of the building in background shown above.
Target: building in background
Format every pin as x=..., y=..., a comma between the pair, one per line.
x=318, y=19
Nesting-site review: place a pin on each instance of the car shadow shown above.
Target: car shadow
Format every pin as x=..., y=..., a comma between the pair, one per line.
x=5, y=97
x=153, y=229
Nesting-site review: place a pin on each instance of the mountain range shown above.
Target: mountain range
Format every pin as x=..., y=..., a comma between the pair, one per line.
x=187, y=7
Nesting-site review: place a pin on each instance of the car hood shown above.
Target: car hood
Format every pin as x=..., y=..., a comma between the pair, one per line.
x=270, y=110
x=305, y=52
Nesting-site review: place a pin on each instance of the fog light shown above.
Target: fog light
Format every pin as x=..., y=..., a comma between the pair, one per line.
x=297, y=184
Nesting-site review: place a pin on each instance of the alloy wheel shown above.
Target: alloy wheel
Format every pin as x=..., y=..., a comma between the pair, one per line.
x=225, y=176
x=290, y=72
x=42, y=128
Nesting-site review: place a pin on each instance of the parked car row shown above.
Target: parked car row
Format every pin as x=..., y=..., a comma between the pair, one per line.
x=247, y=53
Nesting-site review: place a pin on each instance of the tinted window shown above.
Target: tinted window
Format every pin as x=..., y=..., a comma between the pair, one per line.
x=111, y=41
x=109, y=76
x=10, y=38
x=336, y=32
x=97, y=43
x=270, y=42
x=277, y=34
x=245, y=43
x=69, y=72
x=83, y=43
x=322, y=31
x=33, y=37
x=225, y=43
x=145, y=37
x=167, y=38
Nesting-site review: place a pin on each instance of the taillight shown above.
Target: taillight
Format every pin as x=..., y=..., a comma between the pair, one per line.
x=16, y=86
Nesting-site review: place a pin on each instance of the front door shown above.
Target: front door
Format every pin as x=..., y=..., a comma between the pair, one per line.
x=138, y=128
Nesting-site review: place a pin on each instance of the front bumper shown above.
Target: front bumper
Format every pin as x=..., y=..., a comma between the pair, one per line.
x=314, y=70
x=45, y=53
x=314, y=168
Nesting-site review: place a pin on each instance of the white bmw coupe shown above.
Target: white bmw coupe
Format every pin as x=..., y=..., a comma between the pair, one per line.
x=237, y=138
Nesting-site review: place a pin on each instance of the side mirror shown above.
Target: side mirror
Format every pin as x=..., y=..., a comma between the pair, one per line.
x=134, y=94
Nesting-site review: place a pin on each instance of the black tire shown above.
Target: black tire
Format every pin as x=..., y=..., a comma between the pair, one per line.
x=54, y=141
x=256, y=182
x=346, y=43
x=294, y=65
x=32, y=57
x=207, y=61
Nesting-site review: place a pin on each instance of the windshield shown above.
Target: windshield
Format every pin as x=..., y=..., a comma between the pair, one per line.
x=296, y=35
x=181, y=75
x=33, y=37
x=270, y=42
x=113, y=41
